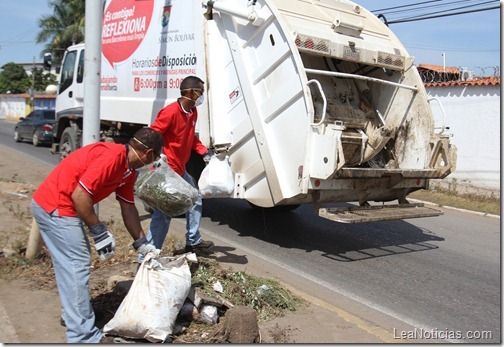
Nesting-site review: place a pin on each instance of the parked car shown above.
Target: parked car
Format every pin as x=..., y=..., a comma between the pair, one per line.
x=36, y=127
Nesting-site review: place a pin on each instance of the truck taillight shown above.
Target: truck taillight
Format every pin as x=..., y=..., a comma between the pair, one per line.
x=47, y=127
x=310, y=43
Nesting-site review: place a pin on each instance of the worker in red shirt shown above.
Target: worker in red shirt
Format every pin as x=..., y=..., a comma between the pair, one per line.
x=176, y=122
x=63, y=204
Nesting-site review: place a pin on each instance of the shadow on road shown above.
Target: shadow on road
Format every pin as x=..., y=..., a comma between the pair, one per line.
x=304, y=229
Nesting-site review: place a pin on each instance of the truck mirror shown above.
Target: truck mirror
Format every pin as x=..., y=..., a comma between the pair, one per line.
x=47, y=61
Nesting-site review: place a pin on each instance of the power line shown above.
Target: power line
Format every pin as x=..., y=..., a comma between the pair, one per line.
x=441, y=15
x=19, y=36
x=17, y=43
x=447, y=49
x=451, y=9
x=391, y=8
x=429, y=7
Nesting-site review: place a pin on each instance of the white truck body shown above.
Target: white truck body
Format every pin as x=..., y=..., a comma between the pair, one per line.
x=313, y=101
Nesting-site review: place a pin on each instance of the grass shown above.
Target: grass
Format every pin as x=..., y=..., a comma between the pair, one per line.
x=266, y=296
x=449, y=197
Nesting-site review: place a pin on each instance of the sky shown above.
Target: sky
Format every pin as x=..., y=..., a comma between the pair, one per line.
x=469, y=40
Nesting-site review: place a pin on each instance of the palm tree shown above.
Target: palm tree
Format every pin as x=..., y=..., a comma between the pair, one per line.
x=63, y=28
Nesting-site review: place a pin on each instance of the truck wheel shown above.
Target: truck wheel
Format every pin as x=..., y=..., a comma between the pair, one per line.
x=68, y=143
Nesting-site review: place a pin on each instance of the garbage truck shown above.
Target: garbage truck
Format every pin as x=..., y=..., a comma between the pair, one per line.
x=312, y=101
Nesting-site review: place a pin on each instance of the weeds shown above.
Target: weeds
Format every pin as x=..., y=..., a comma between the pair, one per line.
x=468, y=201
x=264, y=295
x=15, y=179
x=21, y=214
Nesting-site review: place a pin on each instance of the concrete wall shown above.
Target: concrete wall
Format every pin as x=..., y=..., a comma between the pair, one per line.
x=12, y=107
x=18, y=105
x=473, y=115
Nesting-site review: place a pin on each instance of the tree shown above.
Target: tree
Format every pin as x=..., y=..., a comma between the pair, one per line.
x=65, y=27
x=42, y=79
x=14, y=79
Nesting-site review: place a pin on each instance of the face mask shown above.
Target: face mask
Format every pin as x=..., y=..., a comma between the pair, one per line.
x=199, y=101
x=144, y=164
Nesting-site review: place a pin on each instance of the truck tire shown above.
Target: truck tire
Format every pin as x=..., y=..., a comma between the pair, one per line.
x=68, y=143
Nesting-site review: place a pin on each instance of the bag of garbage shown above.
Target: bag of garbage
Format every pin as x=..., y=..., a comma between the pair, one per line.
x=216, y=180
x=154, y=300
x=164, y=190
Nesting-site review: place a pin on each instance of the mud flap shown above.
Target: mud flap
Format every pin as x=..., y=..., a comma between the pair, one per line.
x=361, y=214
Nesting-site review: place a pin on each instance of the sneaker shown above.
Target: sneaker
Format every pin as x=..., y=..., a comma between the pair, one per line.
x=201, y=248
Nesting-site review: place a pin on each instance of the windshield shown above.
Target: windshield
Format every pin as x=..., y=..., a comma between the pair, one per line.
x=49, y=115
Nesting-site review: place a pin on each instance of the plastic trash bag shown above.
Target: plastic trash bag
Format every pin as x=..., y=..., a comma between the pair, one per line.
x=208, y=314
x=216, y=180
x=154, y=300
x=164, y=190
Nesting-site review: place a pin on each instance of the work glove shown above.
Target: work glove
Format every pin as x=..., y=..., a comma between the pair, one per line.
x=104, y=241
x=208, y=156
x=144, y=247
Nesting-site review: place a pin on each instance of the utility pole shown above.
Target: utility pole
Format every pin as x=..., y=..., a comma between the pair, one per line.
x=444, y=67
x=32, y=89
x=92, y=63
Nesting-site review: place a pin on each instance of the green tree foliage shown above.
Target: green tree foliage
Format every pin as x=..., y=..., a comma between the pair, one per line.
x=63, y=28
x=41, y=79
x=14, y=79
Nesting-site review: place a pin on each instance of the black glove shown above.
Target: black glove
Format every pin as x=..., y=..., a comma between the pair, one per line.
x=104, y=241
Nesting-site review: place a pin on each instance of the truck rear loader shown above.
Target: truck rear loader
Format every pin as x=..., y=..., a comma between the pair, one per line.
x=314, y=101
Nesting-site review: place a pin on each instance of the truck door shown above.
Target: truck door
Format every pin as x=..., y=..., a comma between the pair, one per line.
x=70, y=88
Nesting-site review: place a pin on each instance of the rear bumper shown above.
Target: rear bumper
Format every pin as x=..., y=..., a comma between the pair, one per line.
x=45, y=136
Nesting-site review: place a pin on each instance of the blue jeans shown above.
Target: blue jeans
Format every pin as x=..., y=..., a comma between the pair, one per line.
x=160, y=223
x=71, y=257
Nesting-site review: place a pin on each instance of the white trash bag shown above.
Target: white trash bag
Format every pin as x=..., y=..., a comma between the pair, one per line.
x=154, y=300
x=216, y=180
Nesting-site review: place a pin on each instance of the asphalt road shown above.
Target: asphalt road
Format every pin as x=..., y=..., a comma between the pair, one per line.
x=439, y=276
x=41, y=153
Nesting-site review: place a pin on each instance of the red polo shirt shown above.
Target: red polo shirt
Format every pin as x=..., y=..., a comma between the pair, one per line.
x=178, y=130
x=100, y=168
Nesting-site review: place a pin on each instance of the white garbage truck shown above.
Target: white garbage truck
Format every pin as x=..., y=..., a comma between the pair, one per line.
x=313, y=101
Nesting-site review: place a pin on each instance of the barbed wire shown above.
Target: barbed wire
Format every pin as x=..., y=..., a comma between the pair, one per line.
x=463, y=74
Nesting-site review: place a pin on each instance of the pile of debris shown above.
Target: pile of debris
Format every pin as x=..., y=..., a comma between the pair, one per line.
x=221, y=306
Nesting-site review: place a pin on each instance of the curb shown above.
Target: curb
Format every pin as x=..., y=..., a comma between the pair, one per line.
x=483, y=214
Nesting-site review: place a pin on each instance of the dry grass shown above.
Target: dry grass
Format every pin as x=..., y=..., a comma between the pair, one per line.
x=449, y=197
